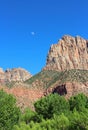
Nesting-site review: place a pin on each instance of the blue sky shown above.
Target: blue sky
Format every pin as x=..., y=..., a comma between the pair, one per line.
x=29, y=27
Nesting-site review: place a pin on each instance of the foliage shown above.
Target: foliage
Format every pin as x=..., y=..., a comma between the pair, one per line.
x=51, y=104
x=61, y=122
x=52, y=112
x=78, y=102
x=79, y=120
x=74, y=121
x=29, y=116
x=9, y=113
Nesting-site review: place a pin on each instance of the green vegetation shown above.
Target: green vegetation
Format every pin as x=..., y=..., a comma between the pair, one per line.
x=78, y=102
x=52, y=112
x=49, y=77
x=48, y=106
x=9, y=112
x=57, y=115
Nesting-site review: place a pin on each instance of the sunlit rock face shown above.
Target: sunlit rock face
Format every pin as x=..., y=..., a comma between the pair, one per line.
x=15, y=74
x=69, y=53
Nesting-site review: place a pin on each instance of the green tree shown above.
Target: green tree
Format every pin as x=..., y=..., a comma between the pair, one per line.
x=78, y=102
x=9, y=112
x=79, y=120
x=51, y=104
x=30, y=115
x=61, y=122
x=27, y=116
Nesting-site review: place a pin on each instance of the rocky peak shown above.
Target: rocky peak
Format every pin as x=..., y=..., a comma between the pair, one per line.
x=1, y=70
x=15, y=74
x=69, y=53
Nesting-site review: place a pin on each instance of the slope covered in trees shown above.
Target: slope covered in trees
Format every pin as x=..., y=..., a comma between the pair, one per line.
x=52, y=112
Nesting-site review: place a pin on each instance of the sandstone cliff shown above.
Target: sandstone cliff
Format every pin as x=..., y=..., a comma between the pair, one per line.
x=69, y=53
x=15, y=74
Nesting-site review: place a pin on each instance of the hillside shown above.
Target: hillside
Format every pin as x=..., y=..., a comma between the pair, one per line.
x=74, y=81
x=49, y=77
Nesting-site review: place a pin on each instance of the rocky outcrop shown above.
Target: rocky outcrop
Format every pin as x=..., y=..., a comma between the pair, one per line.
x=68, y=89
x=69, y=53
x=15, y=74
x=2, y=75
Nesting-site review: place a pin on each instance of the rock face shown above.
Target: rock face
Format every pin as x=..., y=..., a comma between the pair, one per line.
x=16, y=74
x=69, y=53
x=2, y=75
x=25, y=96
x=69, y=89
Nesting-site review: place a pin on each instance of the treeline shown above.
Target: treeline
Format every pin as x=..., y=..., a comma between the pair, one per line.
x=52, y=112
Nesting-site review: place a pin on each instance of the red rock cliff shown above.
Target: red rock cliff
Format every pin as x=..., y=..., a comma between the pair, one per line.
x=69, y=53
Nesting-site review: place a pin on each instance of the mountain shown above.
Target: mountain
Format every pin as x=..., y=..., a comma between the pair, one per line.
x=13, y=75
x=66, y=70
x=65, y=73
x=69, y=53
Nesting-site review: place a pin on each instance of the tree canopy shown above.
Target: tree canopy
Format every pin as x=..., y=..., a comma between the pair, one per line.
x=9, y=112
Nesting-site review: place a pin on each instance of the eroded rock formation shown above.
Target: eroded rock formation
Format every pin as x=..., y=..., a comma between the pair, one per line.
x=15, y=74
x=69, y=53
x=68, y=89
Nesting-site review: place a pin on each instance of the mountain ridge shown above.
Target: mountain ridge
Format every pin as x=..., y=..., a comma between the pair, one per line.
x=14, y=74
